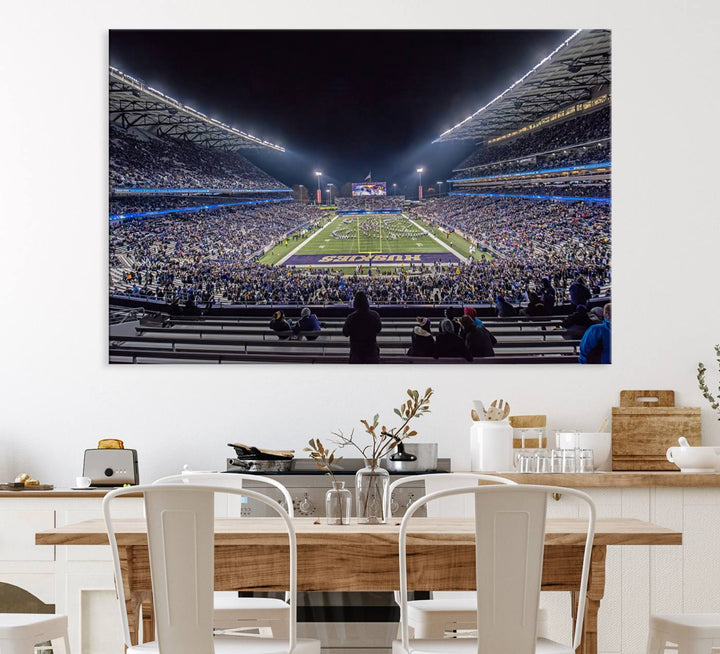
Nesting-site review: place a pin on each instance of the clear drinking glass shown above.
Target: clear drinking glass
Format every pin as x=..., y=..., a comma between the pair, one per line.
x=568, y=461
x=556, y=456
x=585, y=461
x=338, y=503
x=543, y=461
x=526, y=461
x=517, y=455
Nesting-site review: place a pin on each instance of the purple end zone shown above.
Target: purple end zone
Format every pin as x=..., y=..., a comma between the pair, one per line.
x=366, y=259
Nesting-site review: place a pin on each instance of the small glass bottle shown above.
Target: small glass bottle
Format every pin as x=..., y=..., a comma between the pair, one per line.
x=338, y=501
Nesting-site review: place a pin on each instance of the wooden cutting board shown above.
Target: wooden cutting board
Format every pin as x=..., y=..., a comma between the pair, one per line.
x=645, y=425
x=6, y=487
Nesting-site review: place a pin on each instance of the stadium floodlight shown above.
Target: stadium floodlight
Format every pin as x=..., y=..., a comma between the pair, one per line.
x=318, y=174
x=420, y=172
x=439, y=183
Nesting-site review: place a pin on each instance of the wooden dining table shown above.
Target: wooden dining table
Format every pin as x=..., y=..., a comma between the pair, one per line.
x=251, y=554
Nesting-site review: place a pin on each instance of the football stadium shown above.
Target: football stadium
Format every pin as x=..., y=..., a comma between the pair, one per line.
x=218, y=254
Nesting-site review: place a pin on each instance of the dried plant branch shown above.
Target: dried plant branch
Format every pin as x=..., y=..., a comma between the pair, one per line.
x=702, y=384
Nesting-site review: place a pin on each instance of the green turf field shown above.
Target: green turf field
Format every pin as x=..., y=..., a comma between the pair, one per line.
x=366, y=234
x=378, y=233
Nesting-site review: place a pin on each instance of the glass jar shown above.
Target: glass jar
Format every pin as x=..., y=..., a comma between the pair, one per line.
x=371, y=486
x=338, y=501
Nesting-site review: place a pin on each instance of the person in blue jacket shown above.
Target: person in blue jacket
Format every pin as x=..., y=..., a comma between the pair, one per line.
x=596, y=344
x=308, y=325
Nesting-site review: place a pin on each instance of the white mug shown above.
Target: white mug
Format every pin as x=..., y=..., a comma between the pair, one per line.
x=82, y=482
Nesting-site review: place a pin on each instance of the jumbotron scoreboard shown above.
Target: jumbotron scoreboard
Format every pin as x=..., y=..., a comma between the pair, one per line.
x=369, y=188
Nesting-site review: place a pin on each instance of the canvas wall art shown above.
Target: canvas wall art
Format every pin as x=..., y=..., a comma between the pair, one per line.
x=394, y=197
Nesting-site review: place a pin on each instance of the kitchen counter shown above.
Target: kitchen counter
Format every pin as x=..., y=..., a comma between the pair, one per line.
x=57, y=493
x=642, y=479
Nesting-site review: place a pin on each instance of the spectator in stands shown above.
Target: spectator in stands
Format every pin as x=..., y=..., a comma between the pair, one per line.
x=596, y=344
x=448, y=343
x=308, y=325
x=534, y=307
x=423, y=343
x=576, y=324
x=478, y=340
x=282, y=325
x=470, y=311
x=504, y=308
x=548, y=296
x=362, y=327
x=596, y=315
x=579, y=292
x=453, y=314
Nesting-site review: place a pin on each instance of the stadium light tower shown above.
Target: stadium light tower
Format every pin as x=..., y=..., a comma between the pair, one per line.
x=439, y=187
x=394, y=189
x=319, y=192
x=420, y=172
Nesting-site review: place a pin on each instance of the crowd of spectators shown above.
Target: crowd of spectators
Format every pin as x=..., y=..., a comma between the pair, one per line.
x=585, y=128
x=139, y=159
x=210, y=258
x=595, y=153
x=585, y=189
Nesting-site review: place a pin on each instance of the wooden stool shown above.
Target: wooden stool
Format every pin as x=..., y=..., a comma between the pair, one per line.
x=20, y=632
x=694, y=633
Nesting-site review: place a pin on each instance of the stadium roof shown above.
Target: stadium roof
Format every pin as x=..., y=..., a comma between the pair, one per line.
x=576, y=71
x=134, y=104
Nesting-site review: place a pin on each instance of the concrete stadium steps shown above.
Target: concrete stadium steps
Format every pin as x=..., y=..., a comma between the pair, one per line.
x=523, y=340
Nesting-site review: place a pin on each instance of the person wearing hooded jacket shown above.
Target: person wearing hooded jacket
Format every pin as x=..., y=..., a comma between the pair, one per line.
x=478, y=340
x=449, y=344
x=308, y=323
x=423, y=343
x=596, y=344
x=362, y=327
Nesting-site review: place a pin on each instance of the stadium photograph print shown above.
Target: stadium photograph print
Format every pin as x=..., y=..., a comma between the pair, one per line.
x=244, y=225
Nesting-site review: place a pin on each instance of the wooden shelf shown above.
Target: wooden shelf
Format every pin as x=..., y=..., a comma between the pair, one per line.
x=642, y=479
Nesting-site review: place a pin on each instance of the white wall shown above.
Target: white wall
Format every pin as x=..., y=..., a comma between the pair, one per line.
x=58, y=395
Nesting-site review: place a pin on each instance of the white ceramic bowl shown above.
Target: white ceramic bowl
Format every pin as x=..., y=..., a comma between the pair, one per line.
x=599, y=442
x=695, y=459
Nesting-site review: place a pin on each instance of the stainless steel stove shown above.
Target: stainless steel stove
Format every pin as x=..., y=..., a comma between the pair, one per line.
x=345, y=622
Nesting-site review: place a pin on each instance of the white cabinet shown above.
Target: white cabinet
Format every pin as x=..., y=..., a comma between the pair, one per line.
x=78, y=580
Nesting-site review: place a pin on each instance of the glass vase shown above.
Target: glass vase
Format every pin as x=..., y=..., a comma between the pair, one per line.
x=338, y=501
x=371, y=485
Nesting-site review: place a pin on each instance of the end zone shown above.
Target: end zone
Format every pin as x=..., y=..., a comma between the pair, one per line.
x=322, y=260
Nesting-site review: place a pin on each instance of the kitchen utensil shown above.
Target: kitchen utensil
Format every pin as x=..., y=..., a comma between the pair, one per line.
x=480, y=408
x=645, y=425
x=694, y=459
x=474, y=415
x=424, y=458
x=491, y=446
x=401, y=455
x=261, y=465
x=603, y=425
x=111, y=467
x=260, y=454
x=498, y=411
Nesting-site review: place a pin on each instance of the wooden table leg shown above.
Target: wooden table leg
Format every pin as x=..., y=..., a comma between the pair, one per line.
x=596, y=591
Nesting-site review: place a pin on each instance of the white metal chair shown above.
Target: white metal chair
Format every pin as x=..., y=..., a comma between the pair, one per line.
x=180, y=529
x=20, y=632
x=509, y=545
x=231, y=611
x=445, y=611
x=693, y=633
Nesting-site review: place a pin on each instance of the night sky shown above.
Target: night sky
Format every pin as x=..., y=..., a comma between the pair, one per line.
x=343, y=102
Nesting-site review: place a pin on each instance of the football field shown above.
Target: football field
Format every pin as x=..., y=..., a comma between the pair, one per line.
x=382, y=239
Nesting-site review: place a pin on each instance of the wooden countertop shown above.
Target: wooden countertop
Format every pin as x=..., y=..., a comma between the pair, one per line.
x=642, y=479
x=58, y=493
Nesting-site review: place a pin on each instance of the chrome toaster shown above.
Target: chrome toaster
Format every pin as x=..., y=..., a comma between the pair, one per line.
x=111, y=467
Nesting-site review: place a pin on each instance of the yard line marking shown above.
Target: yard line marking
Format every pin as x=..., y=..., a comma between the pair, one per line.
x=305, y=242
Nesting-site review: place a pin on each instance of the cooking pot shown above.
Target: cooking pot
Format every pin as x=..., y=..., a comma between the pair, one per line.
x=413, y=457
